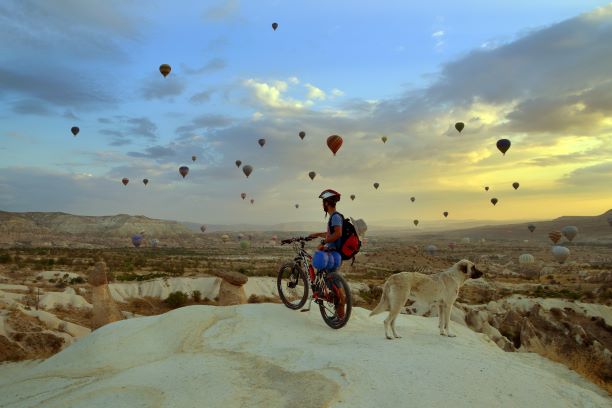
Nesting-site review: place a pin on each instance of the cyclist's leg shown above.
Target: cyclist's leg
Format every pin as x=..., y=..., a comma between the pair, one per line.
x=333, y=283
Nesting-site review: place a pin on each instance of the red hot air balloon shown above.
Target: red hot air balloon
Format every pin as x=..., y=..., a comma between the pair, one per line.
x=145, y=181
x=555, y=236
x=165, y=69
x=334, y=142
x=302, y=135
x=445, y=213
x=494, y=201
x=184, y=170
x=243, y=195
x=75, y=130
x=515, y=185
x=125, y=181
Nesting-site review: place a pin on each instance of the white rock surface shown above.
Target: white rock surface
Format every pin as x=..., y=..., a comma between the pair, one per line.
x=265, y=355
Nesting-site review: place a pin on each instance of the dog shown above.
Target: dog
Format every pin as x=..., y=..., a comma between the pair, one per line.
x=440, y=289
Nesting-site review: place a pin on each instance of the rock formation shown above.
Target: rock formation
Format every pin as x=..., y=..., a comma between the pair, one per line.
x=231, y=291
x=104, y=308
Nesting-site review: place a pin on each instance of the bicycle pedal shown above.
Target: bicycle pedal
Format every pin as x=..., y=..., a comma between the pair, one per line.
x=305, y=310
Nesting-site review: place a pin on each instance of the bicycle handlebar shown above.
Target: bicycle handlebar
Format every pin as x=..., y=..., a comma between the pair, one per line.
x=290, y=240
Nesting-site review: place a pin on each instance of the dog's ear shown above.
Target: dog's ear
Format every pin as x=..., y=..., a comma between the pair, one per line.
x=463, y=267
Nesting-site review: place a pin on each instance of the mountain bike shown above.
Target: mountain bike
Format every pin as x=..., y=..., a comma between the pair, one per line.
x=298, y=282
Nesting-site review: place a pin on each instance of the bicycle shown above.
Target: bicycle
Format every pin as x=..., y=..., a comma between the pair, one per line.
x=295, y=286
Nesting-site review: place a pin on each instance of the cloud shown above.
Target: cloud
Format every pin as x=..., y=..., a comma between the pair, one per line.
x=337, y=92
x=214, y=64
x=160, y=89
x=208, y=122
x=154, y=152
x=270, y=95
x=54, y=85
x=127, y=129
x=314, y=92
x=227, y=9
x=203, y=96
x=598, y=175
x=32, y=107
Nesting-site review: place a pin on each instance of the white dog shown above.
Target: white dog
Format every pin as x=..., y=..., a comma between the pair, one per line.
x=440, y=289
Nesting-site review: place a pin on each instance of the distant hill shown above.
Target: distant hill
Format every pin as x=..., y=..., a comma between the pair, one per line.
x=590, y=228
x=61, y=229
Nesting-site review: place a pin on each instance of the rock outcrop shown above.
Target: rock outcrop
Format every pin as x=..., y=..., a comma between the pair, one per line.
x=105, y=309
x=231, y=291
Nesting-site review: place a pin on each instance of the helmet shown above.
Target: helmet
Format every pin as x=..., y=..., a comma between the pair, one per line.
x=330, y=194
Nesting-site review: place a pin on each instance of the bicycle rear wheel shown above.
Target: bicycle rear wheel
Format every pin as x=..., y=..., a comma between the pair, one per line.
x=329, y=310
x=292, y=285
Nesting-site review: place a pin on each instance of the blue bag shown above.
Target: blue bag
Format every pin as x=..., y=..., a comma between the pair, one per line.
x=326, y=260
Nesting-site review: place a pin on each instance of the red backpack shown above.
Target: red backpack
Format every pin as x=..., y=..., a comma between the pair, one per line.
x=350, y=242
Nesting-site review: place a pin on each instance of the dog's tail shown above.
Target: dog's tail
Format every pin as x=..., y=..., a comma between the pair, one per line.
x=383, y=305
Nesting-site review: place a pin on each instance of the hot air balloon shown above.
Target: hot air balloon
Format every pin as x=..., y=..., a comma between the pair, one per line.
x=183, y=170
x=415, y=222
x=154, y=242
x=486, y=188
x=193, y=158
x=145, y=181
x=515, y=185
x=459, y=126
x=261, y=142
x=203, y=228
x=352, y=197
x=494, y=201
x=360, y=226
x=125, y=181
x=302, y=135
x=274, y=26
x=252, y=201
x=247, y=170
x=334, y=142
x=75, y=130
x=243, y=195
x=238, y=163
x=240, y=236
x=569, y=232
x=526, y=259
x=165, y=69
x=297, y=206
x=531, y=227
x=376, y=185
x=274, y=238
x=244, y=244
x=412, y=199
x=555, y=236
x=445, y=213
x=137, y=240
x=452, y=245
x=225, y=238
x=560, y=253
x=384, y=139
x=312, y=175
x=503, y=145
x=431, y=249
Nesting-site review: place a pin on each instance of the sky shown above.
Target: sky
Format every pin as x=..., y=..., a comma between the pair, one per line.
x=536, y=73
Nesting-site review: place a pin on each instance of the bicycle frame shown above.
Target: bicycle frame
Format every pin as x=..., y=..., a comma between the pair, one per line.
x=316, y=281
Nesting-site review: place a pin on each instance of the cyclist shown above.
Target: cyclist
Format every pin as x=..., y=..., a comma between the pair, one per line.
x=332, y=242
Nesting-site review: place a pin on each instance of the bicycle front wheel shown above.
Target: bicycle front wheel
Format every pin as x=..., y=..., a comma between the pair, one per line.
x=333, y=312
x=292, y=285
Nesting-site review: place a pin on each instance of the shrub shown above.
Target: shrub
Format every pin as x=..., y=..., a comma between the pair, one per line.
x=77, y=280
x=176, y=299
x=196, y=295
x=5, y=258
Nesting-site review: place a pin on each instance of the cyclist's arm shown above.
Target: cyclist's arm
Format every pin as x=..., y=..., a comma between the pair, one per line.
x=335, y=236
x=318, y=234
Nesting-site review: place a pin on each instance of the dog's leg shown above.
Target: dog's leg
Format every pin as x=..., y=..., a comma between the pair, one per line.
x=400, y=305
x=447, y=316
x=441, y=320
